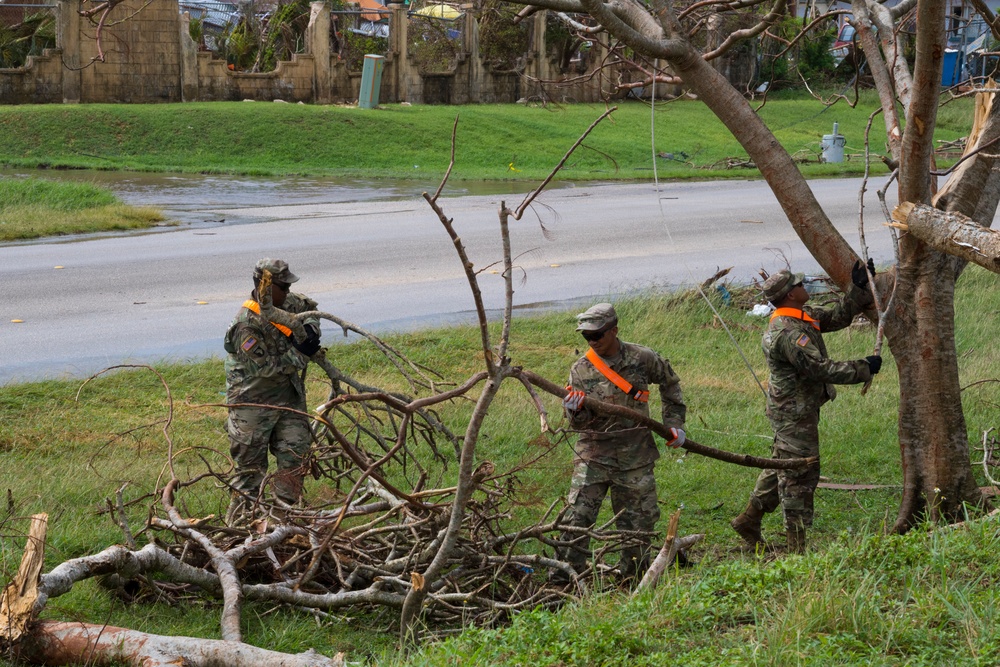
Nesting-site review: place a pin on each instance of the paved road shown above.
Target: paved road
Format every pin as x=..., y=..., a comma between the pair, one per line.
x=385, y=265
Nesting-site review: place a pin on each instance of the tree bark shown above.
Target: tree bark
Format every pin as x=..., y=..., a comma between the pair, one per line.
x=951, y=233
x=58, y=643
x=937, y=473
x=880, y=73
x=791, y=189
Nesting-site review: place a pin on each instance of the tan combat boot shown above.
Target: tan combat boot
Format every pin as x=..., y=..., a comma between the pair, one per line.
x=747, y=525
x=796, y=540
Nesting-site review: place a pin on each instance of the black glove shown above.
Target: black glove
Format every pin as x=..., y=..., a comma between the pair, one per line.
x=310, y=345
x=858, y=274
x=874, y=363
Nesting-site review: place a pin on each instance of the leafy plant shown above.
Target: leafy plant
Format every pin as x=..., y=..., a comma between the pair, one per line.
x=356, y=45
x=502, y=44
x=815, y=59
x=433, y=44
x=29, y=38
x=258, y=40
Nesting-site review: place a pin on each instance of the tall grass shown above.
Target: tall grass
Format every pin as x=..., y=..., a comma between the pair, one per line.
x=35, y=207
x=15, y=193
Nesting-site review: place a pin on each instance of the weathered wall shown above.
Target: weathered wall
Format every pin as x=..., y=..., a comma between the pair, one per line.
x=141, y=56
x=40, y=81
x=151, y=58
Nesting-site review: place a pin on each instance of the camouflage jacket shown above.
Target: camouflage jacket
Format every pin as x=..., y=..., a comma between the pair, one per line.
x=802, y=375
x=262, y=365
x=614, y=441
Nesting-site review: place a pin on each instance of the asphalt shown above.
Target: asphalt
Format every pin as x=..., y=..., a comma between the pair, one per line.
x=384, y=263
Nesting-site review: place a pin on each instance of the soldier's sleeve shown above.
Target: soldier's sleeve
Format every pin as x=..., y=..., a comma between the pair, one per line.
x=579, y=419
x=840, y=313
x=673, y=408
x=303, y=304
x=250, y=348
x=803, y=354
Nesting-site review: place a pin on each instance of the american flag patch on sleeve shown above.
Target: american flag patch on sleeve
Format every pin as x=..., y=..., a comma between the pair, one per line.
x=802, y=341
x=249, y=343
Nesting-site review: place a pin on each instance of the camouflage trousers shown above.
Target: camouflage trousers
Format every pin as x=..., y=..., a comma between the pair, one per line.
x=792, y=489
x=633, y=493
x=255, y=431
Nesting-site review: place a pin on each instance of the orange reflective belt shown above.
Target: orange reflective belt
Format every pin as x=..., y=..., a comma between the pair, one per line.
x=617, y=380
x=250, y=304
x=797, y=314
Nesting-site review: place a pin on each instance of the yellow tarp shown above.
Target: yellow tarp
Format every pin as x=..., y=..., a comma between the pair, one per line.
x=439, y=11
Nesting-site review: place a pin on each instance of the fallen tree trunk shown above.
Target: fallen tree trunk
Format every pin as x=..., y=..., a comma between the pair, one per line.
x=59, y=643
x=660, y=429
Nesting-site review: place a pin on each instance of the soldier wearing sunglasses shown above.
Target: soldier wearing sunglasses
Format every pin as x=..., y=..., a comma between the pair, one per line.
x=265, y=366
x=614, y=454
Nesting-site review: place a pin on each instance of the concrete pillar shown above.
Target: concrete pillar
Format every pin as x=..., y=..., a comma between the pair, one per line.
x=399, y=25
x=318, y=44
x=543, y=67
x=68, y=39
x=476, y=75
x=189, y=61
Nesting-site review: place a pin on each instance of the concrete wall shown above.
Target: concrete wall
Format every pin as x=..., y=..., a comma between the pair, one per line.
x=151, y=58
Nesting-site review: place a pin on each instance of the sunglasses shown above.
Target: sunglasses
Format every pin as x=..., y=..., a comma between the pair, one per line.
x=284, y=287
x=594, y=336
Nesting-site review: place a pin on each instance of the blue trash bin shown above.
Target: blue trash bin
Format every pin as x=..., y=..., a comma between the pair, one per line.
x=950, y=73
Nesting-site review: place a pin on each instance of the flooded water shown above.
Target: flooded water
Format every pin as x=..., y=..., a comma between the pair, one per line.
x=192, y=198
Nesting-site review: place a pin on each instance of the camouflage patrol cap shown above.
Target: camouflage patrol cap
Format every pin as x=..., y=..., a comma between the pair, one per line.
x=779, y=284
x=277, y=267
x=597, y=317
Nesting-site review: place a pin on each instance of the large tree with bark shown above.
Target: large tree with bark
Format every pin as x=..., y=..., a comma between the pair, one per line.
x=915, y=298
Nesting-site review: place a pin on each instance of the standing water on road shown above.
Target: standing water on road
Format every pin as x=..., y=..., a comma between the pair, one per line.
x=197, y=198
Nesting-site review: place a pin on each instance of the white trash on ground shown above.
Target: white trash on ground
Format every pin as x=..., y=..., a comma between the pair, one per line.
x=760, y=310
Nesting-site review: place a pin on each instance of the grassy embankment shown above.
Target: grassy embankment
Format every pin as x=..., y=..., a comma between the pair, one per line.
x=35, y=207
x=401, y=141
x=494, y=142
x=859, y=598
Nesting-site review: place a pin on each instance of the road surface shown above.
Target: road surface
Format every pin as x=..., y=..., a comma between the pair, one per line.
x=386, y=265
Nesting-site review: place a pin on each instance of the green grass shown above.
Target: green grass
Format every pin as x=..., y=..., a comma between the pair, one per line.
x=34, y=207
x=859, y=598
x=494, y=142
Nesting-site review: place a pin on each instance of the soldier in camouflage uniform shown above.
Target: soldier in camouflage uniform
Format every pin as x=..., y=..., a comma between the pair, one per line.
x=613, y=454
x=802, y=379
x=265, y=365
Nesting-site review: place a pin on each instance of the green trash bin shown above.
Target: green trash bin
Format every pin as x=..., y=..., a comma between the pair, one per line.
x=371, y=81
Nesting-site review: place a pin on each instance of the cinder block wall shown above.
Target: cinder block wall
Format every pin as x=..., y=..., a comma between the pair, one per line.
x=149, y=57
x=142, y=55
